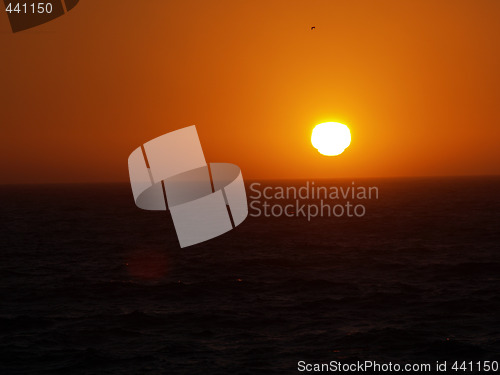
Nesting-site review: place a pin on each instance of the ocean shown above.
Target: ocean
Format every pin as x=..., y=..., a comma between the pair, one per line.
x=90, y=284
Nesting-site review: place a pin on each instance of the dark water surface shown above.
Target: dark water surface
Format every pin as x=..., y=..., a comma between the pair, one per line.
x=92, y=285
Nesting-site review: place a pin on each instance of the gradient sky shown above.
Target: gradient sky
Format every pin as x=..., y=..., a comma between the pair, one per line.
x=418, y=83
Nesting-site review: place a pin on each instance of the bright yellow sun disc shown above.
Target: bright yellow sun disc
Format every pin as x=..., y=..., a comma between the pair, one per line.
x=331, y=138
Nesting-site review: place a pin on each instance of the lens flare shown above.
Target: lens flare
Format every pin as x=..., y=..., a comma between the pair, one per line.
x=147, y=264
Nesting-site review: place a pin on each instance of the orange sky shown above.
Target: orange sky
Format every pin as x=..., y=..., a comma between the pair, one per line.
x=418, y=83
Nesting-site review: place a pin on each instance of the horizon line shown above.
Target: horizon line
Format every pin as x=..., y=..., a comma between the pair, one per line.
x=260, y=179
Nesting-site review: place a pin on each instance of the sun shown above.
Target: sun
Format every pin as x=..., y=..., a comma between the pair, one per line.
x=331, y=138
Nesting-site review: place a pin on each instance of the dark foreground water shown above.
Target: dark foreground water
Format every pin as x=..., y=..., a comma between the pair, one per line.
x=92, y=285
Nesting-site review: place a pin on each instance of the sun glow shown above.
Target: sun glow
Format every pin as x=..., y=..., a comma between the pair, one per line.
x=331, y=138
